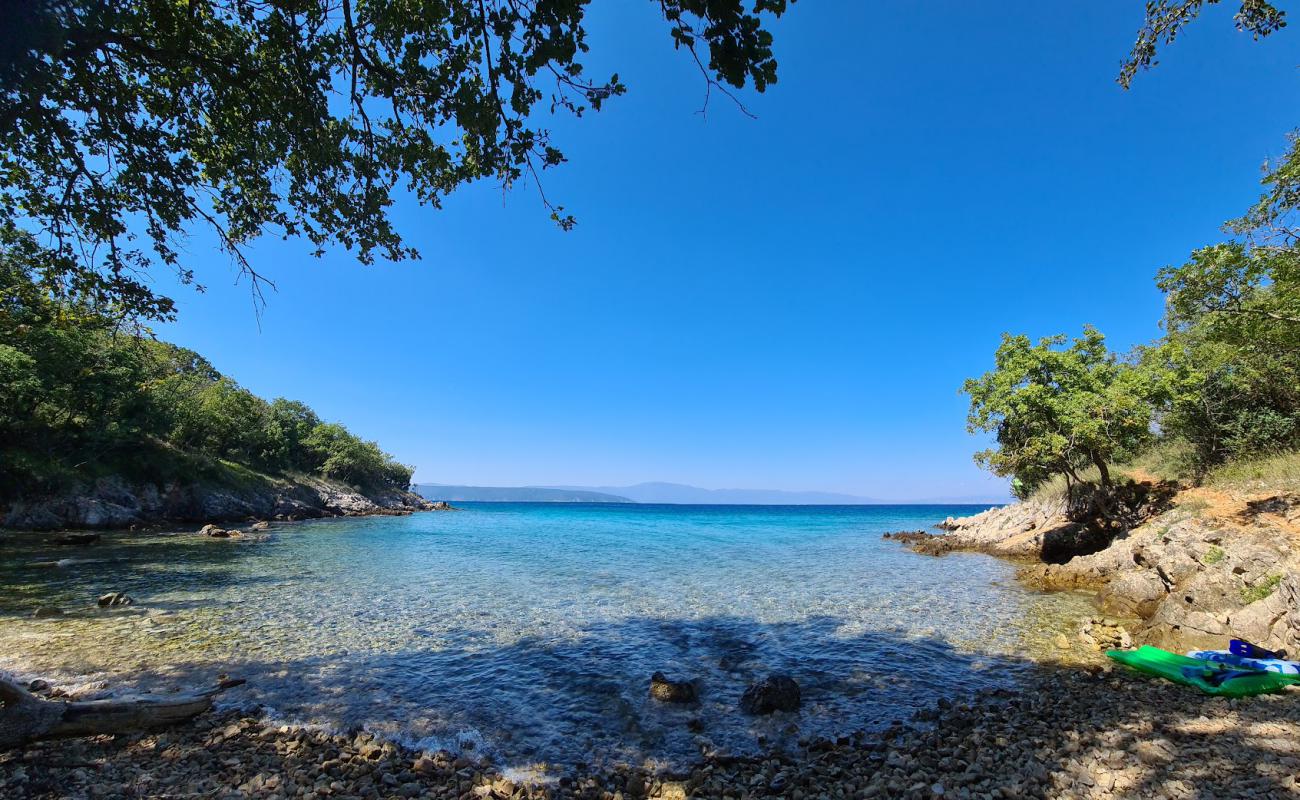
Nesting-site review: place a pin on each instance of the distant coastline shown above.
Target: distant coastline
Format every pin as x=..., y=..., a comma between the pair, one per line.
x=512, y=494
x=673, y=494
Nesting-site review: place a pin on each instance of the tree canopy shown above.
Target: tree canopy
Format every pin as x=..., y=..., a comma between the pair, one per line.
x=1056, y=409
x=1223, y=380
x=125, y=123
x=82, y=395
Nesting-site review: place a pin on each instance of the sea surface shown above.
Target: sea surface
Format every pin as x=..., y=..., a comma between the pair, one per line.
x=528, y=632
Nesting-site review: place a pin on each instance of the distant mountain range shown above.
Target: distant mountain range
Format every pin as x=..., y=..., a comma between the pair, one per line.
x=659, y=492
x=514, y=494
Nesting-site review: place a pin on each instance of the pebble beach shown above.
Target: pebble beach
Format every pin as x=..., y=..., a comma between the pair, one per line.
x=1070, y=732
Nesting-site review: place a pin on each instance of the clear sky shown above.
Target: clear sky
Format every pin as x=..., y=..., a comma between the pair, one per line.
x=783, y=302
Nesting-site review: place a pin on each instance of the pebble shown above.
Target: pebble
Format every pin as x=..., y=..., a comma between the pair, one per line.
x=1068, y=734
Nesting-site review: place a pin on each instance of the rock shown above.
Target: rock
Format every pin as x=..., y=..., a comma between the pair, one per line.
x=1136, y=592
x=776, y=692
x=38, y=685
x=76, y=539
x=114, y=600
x=213, y=531
x=44, y=612
x=1062, y=641
x=260, y=526
x=666, y=690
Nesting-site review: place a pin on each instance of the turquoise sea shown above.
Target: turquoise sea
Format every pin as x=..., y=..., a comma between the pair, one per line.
x=528, y=632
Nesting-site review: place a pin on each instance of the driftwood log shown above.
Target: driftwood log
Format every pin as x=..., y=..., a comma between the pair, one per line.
x=24, y=717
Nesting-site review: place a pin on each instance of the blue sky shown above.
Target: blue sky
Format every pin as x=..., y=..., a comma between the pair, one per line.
x=783, y=302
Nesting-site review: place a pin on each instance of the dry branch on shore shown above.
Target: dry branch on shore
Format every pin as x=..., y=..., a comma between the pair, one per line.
x=25, y=717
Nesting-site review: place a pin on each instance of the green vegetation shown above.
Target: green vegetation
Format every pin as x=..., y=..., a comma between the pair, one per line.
x=1279, y=472
x=1217, y=397
x=1057, y=409
x=1165, y=19
x=1266, y=587
x=302, y=119
x=1214, y=555
x=84, y=393
x=122, y=125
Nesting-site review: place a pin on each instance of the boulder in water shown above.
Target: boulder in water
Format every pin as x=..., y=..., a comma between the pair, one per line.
x=666, y=690
x=776, y=692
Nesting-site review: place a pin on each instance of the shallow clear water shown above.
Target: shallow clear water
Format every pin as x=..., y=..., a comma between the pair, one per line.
x=529, y=631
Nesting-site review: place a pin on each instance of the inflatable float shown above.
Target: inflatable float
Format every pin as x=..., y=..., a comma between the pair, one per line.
x=1211, y=677
x=1232, y=659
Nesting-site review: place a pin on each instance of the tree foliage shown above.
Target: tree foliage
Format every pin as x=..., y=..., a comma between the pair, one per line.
x=1056, y=409
x=1166, y=19
x=123, y=124
x=1224, y=378
x=83, y=393
x=1228, y=367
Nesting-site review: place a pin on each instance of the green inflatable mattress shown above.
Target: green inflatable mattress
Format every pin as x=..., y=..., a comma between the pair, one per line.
x=1208, y=676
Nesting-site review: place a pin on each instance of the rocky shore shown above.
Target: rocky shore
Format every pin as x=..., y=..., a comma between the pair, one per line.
x=1071, y=733
x=112, y=503
x=1195, y=569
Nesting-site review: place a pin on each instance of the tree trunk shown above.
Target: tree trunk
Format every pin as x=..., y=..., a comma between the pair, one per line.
x=24, y=717
x=1101, y=468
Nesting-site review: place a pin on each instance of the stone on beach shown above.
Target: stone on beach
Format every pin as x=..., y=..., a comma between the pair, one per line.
x=1068, y=734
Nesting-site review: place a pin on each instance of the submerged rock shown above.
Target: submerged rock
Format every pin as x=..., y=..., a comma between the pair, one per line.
x=76, y=539
x=776, y=692
x=44, y=612
x=114, y=600
x=664, y=689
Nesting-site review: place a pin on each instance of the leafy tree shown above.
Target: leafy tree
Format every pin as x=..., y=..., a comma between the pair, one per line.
x=289, y=424
x=1166, y=19
x=83, y=393
x=295, y=117
x=344, y=456
x=1055, y=410
x=1228, y=367
x=222, y=419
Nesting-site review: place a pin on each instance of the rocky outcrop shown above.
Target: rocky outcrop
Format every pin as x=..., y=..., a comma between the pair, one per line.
x=112, y=503
x=1204, y=567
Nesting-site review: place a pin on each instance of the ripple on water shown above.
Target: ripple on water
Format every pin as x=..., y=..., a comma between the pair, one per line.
x=529, y=632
